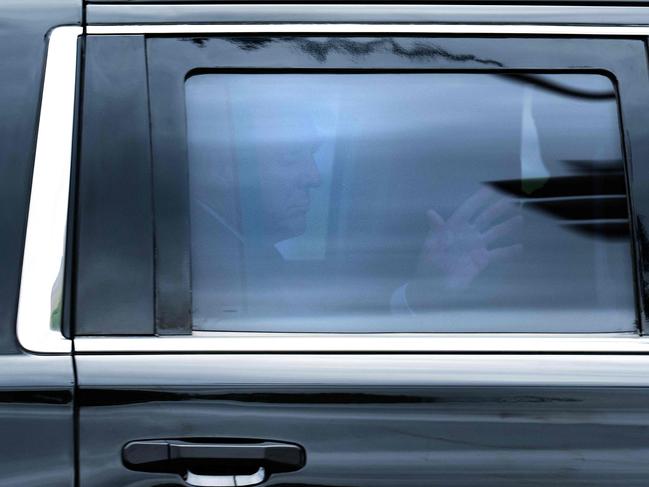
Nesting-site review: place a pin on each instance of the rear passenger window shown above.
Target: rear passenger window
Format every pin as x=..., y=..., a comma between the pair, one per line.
x=407, y=203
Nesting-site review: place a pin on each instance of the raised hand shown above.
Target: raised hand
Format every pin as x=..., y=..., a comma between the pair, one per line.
x=457, y=250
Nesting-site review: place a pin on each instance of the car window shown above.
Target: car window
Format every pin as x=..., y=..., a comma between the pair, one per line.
x=407, y=202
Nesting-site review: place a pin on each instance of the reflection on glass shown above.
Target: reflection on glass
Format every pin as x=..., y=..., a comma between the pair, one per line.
x=407, y=202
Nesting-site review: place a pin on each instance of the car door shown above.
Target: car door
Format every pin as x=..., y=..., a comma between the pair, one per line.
x=278, y=278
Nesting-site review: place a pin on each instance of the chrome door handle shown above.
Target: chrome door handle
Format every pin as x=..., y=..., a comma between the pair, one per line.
x=226, y=480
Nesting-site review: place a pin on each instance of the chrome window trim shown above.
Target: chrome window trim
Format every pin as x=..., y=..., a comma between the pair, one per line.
x=221, y=342
x=40, y=291
x=38, y=324
x=340, y=28
x=366, y=370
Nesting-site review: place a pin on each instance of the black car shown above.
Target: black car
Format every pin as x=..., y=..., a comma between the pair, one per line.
x=324, y=244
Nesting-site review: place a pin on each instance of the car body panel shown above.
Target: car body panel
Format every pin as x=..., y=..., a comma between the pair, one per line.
x=379, y=420
x=36, y=391
x=37, y=421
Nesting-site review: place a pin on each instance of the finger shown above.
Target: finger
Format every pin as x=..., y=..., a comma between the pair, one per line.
x=434, y=219
x=471, y=206
x=502, y=229
x=493, y=213
x=505, y=253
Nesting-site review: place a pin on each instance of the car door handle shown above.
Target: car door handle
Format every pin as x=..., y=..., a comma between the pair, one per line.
x=203, y=463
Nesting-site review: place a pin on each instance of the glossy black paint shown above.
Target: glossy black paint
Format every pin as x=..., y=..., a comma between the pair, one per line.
x=114, y=255
x=36, y=392
x=36, y=421
x=24, y=25
x=376, y=420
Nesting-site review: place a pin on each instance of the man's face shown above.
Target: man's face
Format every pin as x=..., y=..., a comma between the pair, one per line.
x=287, y=173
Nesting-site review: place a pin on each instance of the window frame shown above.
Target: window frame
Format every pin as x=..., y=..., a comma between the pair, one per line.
x=39, y=335
x=171, y=60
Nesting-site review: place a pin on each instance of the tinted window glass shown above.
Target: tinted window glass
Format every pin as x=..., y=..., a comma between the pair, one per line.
x=407, y=202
